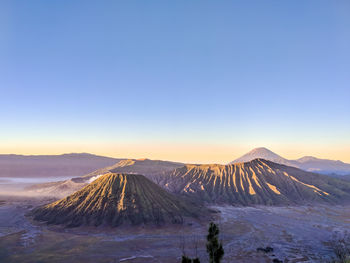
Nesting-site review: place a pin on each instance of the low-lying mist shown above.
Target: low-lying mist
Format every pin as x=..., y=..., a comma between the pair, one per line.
x=14, y=186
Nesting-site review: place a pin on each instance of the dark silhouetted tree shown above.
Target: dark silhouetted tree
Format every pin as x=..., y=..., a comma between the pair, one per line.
x=214, y=247
x=186, y=260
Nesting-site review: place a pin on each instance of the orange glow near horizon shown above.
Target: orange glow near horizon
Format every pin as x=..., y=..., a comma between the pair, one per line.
x=181, y=152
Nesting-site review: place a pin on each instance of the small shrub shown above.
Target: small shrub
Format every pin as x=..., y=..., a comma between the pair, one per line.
x=186, y=259
x=341, y=248
x=265, y=250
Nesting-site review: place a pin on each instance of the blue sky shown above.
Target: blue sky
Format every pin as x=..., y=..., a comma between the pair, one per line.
x=148, y=76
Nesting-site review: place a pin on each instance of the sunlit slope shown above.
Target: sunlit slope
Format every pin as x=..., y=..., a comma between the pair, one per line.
x=255, y=182
x=116, y=199
x=152, y=169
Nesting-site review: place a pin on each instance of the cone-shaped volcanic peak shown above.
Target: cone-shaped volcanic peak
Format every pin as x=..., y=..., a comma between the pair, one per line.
x=262, y=153
x=115, y=199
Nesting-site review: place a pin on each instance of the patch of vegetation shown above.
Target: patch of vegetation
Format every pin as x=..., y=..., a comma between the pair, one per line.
x=186, y=259
x=341, y=248
x=268, y=250
x=265, y=250
x=214, y=247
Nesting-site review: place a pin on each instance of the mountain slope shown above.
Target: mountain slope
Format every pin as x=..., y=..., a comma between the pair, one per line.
x=115, y=199
x=307, y=163
x=255, y=182
x=262, y=153
x=65, y=165
x=154, y=170
x=325, y=166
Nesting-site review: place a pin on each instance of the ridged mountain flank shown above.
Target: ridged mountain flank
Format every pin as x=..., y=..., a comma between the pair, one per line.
x=255, y=182
x=154, y=170
x=115, y=199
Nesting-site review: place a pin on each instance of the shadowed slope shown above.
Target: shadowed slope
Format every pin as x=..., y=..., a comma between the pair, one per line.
x=255, y=182
x=116, y=199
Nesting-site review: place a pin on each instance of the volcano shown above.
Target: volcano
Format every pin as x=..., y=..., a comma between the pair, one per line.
x=255, y=182
x=115, y=199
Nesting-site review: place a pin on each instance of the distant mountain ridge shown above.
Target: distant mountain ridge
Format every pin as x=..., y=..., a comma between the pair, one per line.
x=64, y=165
x=258, y=182
x=80, y=164
x=307, y=163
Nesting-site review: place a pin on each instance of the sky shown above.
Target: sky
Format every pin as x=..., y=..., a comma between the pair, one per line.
x=195, y=81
